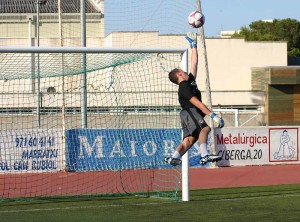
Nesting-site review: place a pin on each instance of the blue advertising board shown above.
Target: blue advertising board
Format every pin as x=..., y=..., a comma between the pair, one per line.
x=114, y=149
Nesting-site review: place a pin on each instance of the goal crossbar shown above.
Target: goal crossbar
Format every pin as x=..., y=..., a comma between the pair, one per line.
x=89, y=50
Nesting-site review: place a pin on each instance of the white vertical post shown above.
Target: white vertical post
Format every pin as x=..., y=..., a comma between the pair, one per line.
x=31, y=43
x=185, y=158
x=63, y=112
x=29, y=32
x=38, y=89
x=207, y=85
x=83, y=66
x=236, y=116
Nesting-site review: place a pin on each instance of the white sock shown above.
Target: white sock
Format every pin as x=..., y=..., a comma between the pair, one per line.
x=176, y=155
x=203, y=149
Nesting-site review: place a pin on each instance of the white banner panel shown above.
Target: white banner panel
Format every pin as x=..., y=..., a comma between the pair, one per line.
x=31, y=151
x=257, y=146
x=283, y=145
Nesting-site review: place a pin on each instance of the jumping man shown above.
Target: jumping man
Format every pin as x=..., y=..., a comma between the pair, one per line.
x=193, y=111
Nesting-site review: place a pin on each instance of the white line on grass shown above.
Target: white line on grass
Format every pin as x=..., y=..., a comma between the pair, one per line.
x=82, y=207
x=141, y=204
x=260, y=197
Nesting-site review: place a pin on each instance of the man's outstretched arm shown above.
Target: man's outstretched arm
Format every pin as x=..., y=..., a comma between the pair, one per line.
x=192, y=38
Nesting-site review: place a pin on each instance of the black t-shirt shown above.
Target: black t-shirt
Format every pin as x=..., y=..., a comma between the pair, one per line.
x=188, y=89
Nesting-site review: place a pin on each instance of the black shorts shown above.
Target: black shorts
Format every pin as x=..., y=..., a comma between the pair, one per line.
x=191, y=122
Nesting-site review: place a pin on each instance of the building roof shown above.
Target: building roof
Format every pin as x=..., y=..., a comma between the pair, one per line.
x=29, y=6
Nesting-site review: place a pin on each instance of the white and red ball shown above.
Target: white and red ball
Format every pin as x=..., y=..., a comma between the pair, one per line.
x=196, y=19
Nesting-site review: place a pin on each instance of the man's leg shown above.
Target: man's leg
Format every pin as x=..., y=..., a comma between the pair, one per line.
x=203, y=147
x=203, y=140
x=184, y=146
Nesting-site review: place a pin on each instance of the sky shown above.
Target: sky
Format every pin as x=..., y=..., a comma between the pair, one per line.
x=149, y=15
x=234, y=14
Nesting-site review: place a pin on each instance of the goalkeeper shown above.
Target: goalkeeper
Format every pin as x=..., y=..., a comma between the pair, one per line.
x=193, y=111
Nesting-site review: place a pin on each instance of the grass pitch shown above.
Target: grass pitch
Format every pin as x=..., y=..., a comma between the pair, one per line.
x=268, y=203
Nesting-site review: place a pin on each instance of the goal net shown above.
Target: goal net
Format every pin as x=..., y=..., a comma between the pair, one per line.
x=87, y=121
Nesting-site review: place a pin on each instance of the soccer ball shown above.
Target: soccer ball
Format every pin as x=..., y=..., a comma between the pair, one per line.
x=196, y=19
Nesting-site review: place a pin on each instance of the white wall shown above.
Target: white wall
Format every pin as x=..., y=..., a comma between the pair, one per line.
x=230, y=60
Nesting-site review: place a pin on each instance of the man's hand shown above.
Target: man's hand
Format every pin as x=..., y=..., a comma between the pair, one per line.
x=219, y=121
x=192, y=38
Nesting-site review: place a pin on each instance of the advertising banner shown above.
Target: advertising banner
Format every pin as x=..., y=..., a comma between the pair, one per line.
x=114, y=149
x=256, y=146
x=30, y=151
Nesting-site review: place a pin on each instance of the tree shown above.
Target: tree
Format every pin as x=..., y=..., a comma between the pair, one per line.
x=277, y=30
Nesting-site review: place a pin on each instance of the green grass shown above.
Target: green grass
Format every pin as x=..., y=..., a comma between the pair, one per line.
x=269, y=203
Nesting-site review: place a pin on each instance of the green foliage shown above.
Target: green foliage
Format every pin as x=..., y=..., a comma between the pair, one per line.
x=294, y=52
x=277, y=30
